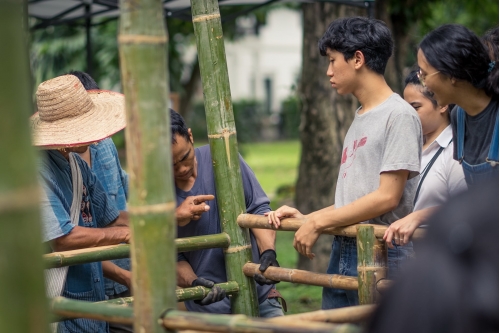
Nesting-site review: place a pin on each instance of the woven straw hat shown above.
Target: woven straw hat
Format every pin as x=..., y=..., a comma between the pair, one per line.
x=70, y=116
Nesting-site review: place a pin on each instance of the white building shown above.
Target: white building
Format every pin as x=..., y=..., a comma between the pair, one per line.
x=266, y=66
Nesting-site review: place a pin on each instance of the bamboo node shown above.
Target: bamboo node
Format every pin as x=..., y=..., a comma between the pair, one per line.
x=237, y=248
x=142, y=39
x=225, y=134
x=152, y=209
x=208, y=17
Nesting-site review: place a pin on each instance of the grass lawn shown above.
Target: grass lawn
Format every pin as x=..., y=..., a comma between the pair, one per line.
x=276, y=164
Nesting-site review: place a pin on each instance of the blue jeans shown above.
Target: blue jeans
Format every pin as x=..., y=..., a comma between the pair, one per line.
x=270, y=308
x=344, y=261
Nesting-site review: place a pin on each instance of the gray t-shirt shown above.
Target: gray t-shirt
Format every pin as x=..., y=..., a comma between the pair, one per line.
x=209, y=263
x=386, y=138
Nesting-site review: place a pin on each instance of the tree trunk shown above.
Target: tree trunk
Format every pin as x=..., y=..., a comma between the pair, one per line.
x=325, y=119
x=23, y=305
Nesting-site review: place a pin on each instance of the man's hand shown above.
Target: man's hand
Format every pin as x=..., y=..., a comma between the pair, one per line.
x=283, y=212
x=192, y=208
x=216, y=294
x=267, y=258
x=305, y=238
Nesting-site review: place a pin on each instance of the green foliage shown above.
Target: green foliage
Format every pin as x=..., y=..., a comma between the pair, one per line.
x=290, y=118
x=479, y=16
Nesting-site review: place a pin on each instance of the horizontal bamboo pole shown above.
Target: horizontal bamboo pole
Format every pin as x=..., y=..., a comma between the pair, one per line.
x=184, y=294
x=69, y=308
x=304, y=277
x=83, y=256
x=351, y=314
x=293, y=224
x=209, y=322
x=383, y=285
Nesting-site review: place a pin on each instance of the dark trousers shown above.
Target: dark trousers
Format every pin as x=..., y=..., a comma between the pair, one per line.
x=120, y=328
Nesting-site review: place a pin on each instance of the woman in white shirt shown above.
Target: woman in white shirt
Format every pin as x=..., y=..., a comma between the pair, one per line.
x=440, y=175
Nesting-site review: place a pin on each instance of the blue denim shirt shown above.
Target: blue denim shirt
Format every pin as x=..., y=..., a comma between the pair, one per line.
x=106, y=166
x=83, y=282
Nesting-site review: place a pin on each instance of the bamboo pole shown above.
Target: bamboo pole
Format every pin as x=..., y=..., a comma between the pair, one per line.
x=224, y=148
x=383, y=285
x=185, y=294
x=304, y=277
x=372, y=264
x=293, y=224
x=142, y=43
x=70, y=308
x=209, y=322
x=81, y=256
x=23, y=306
x=351, y=314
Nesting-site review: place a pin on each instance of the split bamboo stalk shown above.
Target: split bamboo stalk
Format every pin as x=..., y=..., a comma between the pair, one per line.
x=69, y=308
x=293, y=224
x=209, y=322
x=81, y=256
x=372, y=264
x=23, y=306
x=224, y=148
x=304, y=277
x=142, y=43
x=185, y=294
x=351, y=314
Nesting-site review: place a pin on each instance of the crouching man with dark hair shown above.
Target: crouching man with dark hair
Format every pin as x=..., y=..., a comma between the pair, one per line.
x=197, y=214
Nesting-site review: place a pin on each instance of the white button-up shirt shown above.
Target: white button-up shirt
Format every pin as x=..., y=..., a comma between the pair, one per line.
x=445, y=178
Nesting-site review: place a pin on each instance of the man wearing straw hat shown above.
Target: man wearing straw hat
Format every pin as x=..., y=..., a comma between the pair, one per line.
x=76, y=211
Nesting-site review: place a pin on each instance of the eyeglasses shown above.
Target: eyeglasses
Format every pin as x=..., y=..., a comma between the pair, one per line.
x=421, y=77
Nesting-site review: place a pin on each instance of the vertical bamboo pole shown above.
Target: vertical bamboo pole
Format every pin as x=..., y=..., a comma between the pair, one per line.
x=23, y=306
x=224, y=148
x=372, y=264
x=143, y=56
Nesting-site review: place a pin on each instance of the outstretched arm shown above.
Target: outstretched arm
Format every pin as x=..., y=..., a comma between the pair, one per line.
x=118, y=274
x=380, y=201
x=81, y=237
x=402, y=230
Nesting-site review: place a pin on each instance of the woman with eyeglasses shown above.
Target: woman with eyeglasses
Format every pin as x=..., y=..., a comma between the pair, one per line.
x=441, y=177
x=456, y=67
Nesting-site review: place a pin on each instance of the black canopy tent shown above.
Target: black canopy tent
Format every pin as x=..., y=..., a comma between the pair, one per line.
x=56, y=12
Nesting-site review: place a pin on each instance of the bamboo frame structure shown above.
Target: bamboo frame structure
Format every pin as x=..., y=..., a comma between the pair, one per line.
x=143, y=53
x=351, y=314
x=101, y=253
x=208, y=322
x=185, y=294
x=303, y=277
x=224, y=148
x=372, y=264
x=293, y=224
x=69, y=308
x=23, y=306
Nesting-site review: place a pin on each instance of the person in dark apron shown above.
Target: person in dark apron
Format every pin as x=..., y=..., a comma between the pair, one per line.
x=457, y=67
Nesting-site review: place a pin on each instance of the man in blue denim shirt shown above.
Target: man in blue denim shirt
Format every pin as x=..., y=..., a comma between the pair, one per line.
x=103, y=159
x=64, y=125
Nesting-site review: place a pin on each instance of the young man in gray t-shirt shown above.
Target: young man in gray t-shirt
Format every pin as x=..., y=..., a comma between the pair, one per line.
x=381, y=154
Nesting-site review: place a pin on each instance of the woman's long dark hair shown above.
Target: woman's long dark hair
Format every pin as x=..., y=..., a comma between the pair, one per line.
x=457, y=52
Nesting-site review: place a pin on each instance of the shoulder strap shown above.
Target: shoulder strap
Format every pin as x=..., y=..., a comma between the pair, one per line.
x=76, y=179
x=426, y=171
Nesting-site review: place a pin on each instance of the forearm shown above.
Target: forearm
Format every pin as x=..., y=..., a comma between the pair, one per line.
x=365, y=208
x=265, y=238
x=185, y=274
x=121, y=221
x=81, y=237
x=420, y=217
x=115, y=273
